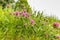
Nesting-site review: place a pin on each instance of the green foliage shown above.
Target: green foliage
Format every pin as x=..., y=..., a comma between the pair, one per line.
x=4, y=2
x=21, y=24
x=23, y=4
x=18, y=27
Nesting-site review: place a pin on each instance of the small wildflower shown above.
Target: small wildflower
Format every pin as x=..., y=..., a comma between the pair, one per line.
x=16, y=13
x=46, y=35
x=31, y=21
x=24, y=13
x=58, y=36
x=55, y=24
x=7, y=5
x=28, y=15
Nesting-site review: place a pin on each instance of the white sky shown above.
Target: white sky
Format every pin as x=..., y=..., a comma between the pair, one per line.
x=49, y=7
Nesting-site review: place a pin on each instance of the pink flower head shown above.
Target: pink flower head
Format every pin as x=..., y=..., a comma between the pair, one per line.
x=16, y=13
x=7, y=5
x=58, y=36
x=11, y=13
x=24, y=13
x=46, y=35
x=28, y=15
x=55, y=24
x=31, y=21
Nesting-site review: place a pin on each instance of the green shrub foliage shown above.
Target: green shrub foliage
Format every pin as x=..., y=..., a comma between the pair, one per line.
x=23, y=4
x=21, y=24
x=4, y=2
